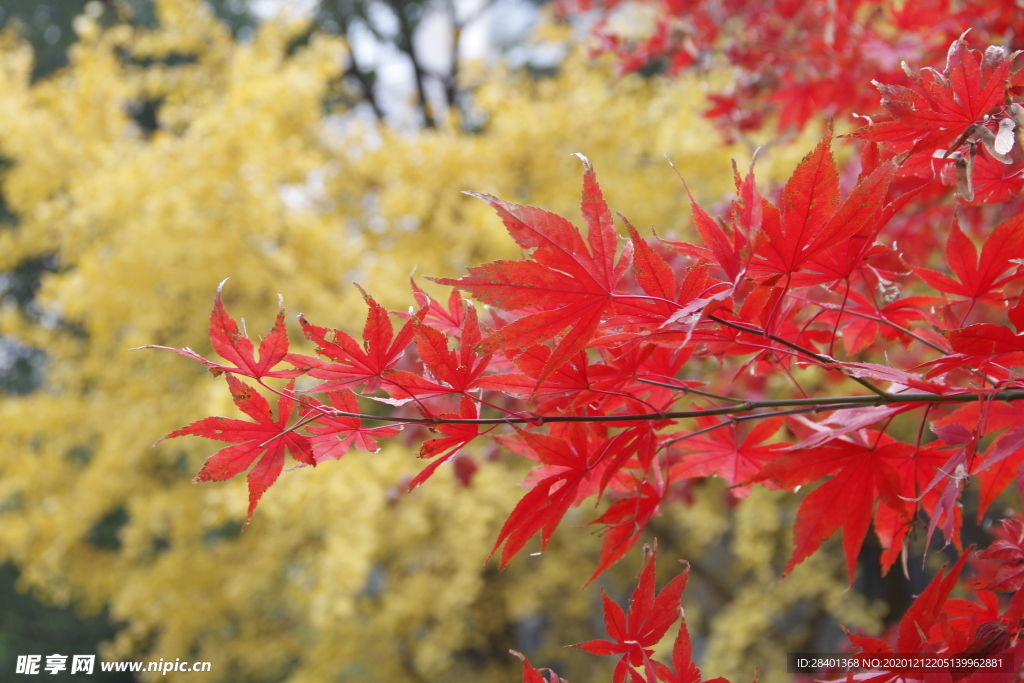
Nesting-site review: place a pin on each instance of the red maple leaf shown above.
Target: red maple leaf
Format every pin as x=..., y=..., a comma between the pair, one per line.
x=266, y=437
x=564, y=285
x=866, y=210
x=452, y=372
x=575, y=384
x=654, y=275
x=812, y=221
x=864, y=472
x=335, y=434
x=926, y=612
x=447, y=447
x=624, y=520
x=979, y=346
x=682, y=661
x=942, y=106
x=981, y=279
x=862, y=320
x=448, y=320
x=1008, y=551
x=809, y=199
x=353, y=365
x=999, y=466
x=994, y=181
x=730, y=249
x=915, y=473
x=723, y=452
x=635, y=633
x=567, y=468
x=237, y=348
x=532, y=675
x=665, y=300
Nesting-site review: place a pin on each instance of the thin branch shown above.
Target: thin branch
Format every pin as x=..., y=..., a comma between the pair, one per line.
x=905, y=330
x=835, y=403
x=405, y=43
x=882, y=321
x=365, y=80
x=826, y=360
x=451, y=78
x=691, y=390
x=761, y=416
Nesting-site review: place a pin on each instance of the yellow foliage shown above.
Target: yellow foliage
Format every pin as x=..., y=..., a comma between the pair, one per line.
x=340, y=574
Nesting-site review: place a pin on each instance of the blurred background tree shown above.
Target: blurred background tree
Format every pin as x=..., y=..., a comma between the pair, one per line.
x=153, y=149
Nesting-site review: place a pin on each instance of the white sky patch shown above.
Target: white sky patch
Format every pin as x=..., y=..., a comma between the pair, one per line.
x=267, y=9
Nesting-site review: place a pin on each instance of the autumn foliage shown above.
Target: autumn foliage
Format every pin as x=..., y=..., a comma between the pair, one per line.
x=844, y=331
x=794, y=60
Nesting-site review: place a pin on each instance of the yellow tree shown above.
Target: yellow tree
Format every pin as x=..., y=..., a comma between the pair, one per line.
x=343, y=573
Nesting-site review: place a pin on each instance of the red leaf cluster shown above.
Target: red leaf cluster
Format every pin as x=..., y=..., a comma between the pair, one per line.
x=624, y=369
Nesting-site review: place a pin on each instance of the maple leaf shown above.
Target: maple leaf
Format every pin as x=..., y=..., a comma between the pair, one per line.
x=447, y=447
x=979, y=346
x=866, y=211
x=654, y=275
x=924, y=612
x=812, y=221
x=980, y=279
x=624, y=520
x=266, y=437
x=639, y=362
x=993, y=181
x=571, y=285
x=953, y=475
x=989, y=417
x=545, y=505
x=532, y=675
x=237, y=348
x=333, y=435
x=576, y=383
x=663, y=305
x=459, y=372
x=897, y=377
x=927, y=623
x=809, y=199
x=943, y=105
x=635, y=447
x=1008, y=551
x=892, y=523
x=729, y=249
x=999, y=466
x=448, y=320
x=686, y=670
x=354, y=365
x=723, y=452
x=569, y=463
x=861, y=319
x=863, y=474
x=635, y=633
x=986, y=340
x=919, y=619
